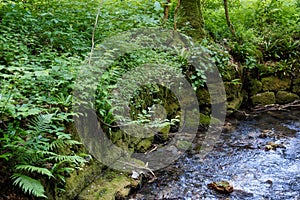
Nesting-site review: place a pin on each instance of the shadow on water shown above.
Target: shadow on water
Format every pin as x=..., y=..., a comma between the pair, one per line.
x=260, y=158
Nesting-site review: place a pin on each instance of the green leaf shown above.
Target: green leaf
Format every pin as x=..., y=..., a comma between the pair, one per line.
x=41, y=73
x=29, y=185
x=31, y=168
x=157, y=6
x=6, y=156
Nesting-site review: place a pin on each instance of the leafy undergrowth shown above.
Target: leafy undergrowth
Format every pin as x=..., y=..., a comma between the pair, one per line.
x=43, y=44
x=267, y=31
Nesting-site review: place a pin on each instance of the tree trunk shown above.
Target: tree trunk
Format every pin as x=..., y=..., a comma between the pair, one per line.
x=190, y=13
x=229, y=24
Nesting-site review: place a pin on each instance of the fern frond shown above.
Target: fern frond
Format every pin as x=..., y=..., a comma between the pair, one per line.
x=60, y=144
x=31, y=168
x=57, y=144
x=64, y=158
x=29, y=185
x=41, y=123
x=72, y=142
x=45, y=153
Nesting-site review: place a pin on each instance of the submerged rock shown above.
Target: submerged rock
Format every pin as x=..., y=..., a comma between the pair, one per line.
x=273, y=146
x=221, y=186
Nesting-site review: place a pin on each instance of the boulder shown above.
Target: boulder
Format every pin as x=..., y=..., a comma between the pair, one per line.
x=232, y=89
x=80, y=179
x=296, y=86
x=255, y=86
x=264, y=98
x=283, y=97
x=112, y=185
x=275, y=84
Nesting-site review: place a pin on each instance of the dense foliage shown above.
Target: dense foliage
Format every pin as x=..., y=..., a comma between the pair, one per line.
x=43, y=43
x=267, y=31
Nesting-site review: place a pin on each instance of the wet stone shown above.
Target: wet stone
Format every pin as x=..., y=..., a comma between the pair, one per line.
x=221, y=186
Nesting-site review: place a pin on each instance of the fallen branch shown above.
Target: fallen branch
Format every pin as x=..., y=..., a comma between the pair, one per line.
x=138, y=167
x=277, y=107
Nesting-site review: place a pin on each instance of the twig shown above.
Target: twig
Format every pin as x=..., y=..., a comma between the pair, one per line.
x=275, y=107
x=138, y=167
x=175, y=14
x=166, y=10
x=93, y=33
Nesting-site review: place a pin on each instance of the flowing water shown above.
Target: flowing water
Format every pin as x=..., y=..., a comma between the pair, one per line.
x=239, y=157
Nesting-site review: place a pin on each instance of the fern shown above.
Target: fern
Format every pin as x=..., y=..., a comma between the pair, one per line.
x=45, y=153
x=31, y=168
x=41, y=123
x=34, y=150
x=56, y=144
x=57, y=170
x=60, y=144
x=29, y=185
x=71, y=159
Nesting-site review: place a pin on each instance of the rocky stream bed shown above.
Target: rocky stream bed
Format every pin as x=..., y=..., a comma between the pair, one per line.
x=260, y=158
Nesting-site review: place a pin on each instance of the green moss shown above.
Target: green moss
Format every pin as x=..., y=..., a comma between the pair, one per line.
x=232, y=89
x=266, y=69
x=165, y=131
x=78, y=180
x=275, y=84
x=296, y=86
x=235, y=104
x=191, y=19
x=116, y=136
x=207, y=120
x=255, y=86
x=204, y=119
x=172, y=108
x=107, y=187
x=229, y=72
x=263, y=98
x=144, y=145
x=203, y=97
x=283, y=97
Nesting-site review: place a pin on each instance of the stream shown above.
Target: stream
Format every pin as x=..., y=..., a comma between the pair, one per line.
x=260, y=158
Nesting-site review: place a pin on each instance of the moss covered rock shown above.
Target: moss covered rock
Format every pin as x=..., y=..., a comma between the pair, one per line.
x=232, y=89
x=165, y=130
x=144, y=145
x=110, y=186
x=296, y=86
x=80, y=179
x=116, y=136
x=283, y=97
x=206, y=120
x=255, y=86
x=275, y=84
x=203, y=97
x=234, y=104
x=264, y=98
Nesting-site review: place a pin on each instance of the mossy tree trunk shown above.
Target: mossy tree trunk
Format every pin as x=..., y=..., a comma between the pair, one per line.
x=191, y=18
